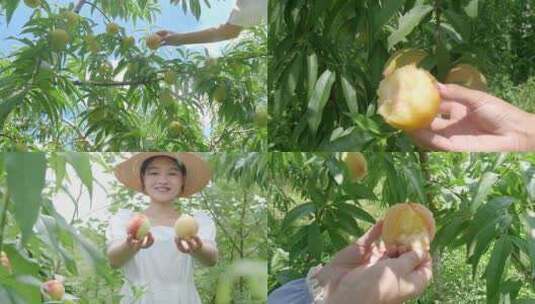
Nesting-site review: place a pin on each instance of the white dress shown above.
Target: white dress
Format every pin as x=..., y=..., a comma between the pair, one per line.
x=163, y=272
x=249, y=13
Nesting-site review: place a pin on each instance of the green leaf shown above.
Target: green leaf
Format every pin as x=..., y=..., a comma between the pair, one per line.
x=483, y=189
x=82, y=165
x=350, y=95
x=450, y=230
x=316, y=104
x=297, y=213
x=472, y=8
x=357, y=212
x=529, y=222
x=415, y=178
x=407, y=23
x=314, y=240
x=459, y=22
x=25, y=181
x=312, y=73
x=387, y=11
x=9, y=104
x=496, y=267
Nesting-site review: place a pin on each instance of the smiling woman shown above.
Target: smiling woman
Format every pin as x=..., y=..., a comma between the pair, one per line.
x=161, y=262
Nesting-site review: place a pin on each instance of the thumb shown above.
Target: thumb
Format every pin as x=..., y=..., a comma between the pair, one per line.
x=407, y=262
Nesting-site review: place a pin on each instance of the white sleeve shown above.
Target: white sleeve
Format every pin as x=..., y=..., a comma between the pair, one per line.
x=248, y=13
x=117, y=226
x=207, y=230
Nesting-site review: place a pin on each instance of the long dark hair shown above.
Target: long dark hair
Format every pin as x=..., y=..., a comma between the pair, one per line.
x=180, y=166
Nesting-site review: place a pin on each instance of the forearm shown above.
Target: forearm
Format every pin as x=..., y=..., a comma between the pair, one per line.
x=214, y=34
x=120, y=253
x=206, y=255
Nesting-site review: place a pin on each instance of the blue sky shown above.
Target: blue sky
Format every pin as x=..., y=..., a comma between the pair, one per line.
x=171, y=18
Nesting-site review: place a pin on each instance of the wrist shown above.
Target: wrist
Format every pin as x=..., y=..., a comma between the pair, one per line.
x=528, y=133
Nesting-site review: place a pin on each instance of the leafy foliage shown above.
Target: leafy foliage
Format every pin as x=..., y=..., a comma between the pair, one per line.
x=481, y=202
x=327, y=59
x=105, y=92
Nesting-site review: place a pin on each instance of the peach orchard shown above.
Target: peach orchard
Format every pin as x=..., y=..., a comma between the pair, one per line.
x=68, y=86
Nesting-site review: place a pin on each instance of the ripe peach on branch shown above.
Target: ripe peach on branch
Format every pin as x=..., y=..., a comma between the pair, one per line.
x=356, y=164
x=468, y=76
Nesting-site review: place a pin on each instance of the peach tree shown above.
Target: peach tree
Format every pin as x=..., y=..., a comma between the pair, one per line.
x=68, y=86
x=328, y=58
x=484, y=247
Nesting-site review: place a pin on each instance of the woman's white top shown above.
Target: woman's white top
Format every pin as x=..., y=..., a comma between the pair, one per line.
x=249, y=13
x=161, y=271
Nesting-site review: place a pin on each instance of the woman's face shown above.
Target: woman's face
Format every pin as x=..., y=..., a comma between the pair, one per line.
x=163, y=180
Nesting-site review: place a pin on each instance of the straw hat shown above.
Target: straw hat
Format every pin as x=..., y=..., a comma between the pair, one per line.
x=198, y=173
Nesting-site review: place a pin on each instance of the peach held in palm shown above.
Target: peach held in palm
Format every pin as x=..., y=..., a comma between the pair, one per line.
x=408, y=226
x=54, y=289
x=186, y=227
x=408, y=98
x=139, y=226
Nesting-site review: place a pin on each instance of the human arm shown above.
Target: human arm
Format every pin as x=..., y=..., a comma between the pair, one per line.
x=121, y=251
x=214, y=34
x=205, y=252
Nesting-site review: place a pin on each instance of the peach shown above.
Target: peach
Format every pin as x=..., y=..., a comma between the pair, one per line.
x=153, y=41
x=356, y=164
x=408, y=98
x=4, y=261
x=402, y=58
x=112, y=28
x=468, y=76
x=219, y=93
x=169, y=77
x=139, y=226
x=54, y=289
x=186, y=227
x=174, y=128
x=58, y=39
x=409, y=226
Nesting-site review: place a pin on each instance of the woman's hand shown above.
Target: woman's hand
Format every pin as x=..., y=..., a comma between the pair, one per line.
x=477, y=122
x=366, y=271
x=136, y=244
x=188, y=246
x=168, y=37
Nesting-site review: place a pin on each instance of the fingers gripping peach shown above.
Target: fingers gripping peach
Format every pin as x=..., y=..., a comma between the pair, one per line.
x=408, y=225
x=139, y=226
x=408, y=98
x=186, y=227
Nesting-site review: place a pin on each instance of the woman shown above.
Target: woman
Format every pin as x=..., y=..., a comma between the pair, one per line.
x=246, y=13
x=161, y=264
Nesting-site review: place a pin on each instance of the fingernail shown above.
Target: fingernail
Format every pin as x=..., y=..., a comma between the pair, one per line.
x=441, y=86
